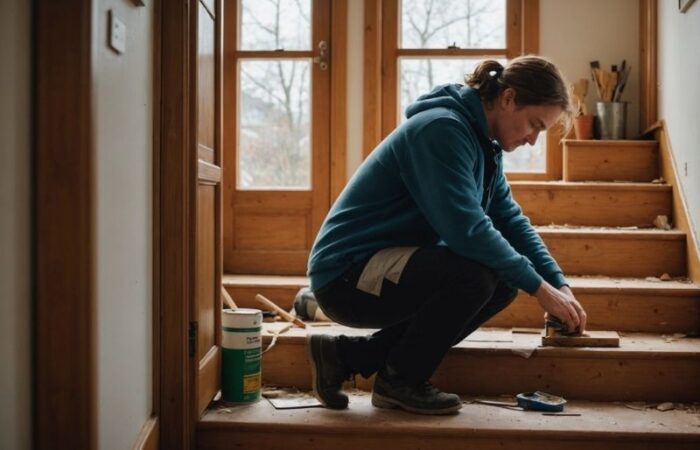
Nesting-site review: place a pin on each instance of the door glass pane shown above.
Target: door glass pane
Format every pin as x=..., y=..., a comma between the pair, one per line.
x=464, y=23
x=274, y=148
x=420, y=75
x=275, y=25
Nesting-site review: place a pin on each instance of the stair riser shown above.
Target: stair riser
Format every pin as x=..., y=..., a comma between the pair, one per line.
x=593, y=207
x=606, y=311
x=593, y=162
x=488, y=373
x=294, y=438
x=580, y=254
x=610, y=311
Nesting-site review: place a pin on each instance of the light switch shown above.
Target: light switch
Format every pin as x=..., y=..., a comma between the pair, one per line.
x=117, y=33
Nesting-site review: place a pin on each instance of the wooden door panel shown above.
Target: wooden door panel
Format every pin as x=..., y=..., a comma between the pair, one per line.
x=206, y=304
x=206, y=267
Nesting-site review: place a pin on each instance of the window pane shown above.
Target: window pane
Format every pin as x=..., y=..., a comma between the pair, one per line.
x=275, y=25
x=419, y=76
x=527, y=158
x=464, y=23
x=274, y=149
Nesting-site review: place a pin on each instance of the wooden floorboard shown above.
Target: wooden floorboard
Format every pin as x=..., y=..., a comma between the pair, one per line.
x=602, y=425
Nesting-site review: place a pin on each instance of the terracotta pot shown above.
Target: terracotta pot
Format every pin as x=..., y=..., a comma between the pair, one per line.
x=583, y=127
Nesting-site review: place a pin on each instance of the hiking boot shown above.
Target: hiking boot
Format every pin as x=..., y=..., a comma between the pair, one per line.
x=327, y=370
x=392, y=391
x=305, y=304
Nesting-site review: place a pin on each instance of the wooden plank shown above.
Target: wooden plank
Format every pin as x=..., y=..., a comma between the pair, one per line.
x=610, y=160
x=587, y=339
x=481, y=426
x=64, y=396
x=593, y=204
x=617, y=253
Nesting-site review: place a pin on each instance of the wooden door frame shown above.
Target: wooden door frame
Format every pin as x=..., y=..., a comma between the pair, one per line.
x=178, y=165
x=64, y=209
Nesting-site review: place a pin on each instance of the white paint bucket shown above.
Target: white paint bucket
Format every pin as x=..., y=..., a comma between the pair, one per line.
x=240, y=363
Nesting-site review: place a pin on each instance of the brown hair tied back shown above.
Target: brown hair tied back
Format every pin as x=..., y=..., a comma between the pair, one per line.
x=535, y=80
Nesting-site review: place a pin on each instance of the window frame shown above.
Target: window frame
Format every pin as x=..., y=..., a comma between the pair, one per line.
x=382, y=53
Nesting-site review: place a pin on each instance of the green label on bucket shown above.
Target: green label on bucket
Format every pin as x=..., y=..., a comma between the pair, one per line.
x=241, y=375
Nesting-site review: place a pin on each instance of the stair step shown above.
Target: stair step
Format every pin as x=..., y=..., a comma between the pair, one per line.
x=600, y=425
x=645, y=367
x=593, y=203
x=620, y=304
x=616, y=252
x=610, y=160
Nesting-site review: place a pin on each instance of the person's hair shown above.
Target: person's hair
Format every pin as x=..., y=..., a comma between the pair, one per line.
x=535, y=80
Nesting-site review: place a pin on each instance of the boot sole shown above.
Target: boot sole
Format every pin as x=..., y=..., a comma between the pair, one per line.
x=310, y=342
x=381, y=401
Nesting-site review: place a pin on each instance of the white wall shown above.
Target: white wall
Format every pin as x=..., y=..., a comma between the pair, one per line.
x=679, y=95
x=575, y=32
x=15, y=282
x=123, y=136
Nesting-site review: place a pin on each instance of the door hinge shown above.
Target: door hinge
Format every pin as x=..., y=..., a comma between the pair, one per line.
x=192, y=338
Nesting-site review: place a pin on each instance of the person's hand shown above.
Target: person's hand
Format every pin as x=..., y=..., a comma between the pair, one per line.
x=563, y=305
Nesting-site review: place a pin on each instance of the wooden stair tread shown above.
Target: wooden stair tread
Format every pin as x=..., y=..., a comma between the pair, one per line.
x=295, y=281
x=611, y=143
x=604, y=418
x=611, y=232
x=583, y=283
x=631, y=344
x=593, y=185
x=631, y=285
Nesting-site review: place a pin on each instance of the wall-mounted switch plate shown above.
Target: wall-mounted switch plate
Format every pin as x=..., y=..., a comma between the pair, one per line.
x=117, y=33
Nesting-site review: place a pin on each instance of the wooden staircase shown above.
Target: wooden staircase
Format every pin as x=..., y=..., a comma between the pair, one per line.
x=598, y=225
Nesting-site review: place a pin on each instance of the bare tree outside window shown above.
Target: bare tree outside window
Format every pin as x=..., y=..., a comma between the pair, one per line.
x=274, y=148
x=468, y=24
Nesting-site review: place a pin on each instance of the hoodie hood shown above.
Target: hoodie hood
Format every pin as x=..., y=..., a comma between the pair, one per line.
x=462, y=99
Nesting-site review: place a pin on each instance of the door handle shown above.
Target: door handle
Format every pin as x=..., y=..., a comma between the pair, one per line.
x=322, y=58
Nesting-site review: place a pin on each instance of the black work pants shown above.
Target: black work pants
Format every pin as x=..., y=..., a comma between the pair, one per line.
x=440, y=299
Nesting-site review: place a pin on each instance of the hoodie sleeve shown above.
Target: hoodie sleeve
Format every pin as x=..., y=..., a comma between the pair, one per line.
x=509, y=219
x=437, y=168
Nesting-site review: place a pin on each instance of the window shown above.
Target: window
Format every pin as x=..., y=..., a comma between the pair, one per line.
x=424, y=43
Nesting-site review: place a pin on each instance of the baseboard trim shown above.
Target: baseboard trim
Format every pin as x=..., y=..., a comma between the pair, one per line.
x=148, y=436
x=681, y=217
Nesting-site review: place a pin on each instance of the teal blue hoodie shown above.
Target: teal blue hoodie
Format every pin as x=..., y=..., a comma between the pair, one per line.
x=424, y=185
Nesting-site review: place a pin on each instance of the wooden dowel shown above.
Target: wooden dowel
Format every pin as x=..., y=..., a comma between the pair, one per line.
x=227, y=298
x=285, y=315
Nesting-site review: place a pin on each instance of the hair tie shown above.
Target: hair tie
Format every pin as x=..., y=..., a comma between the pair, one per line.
x=495, y=73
